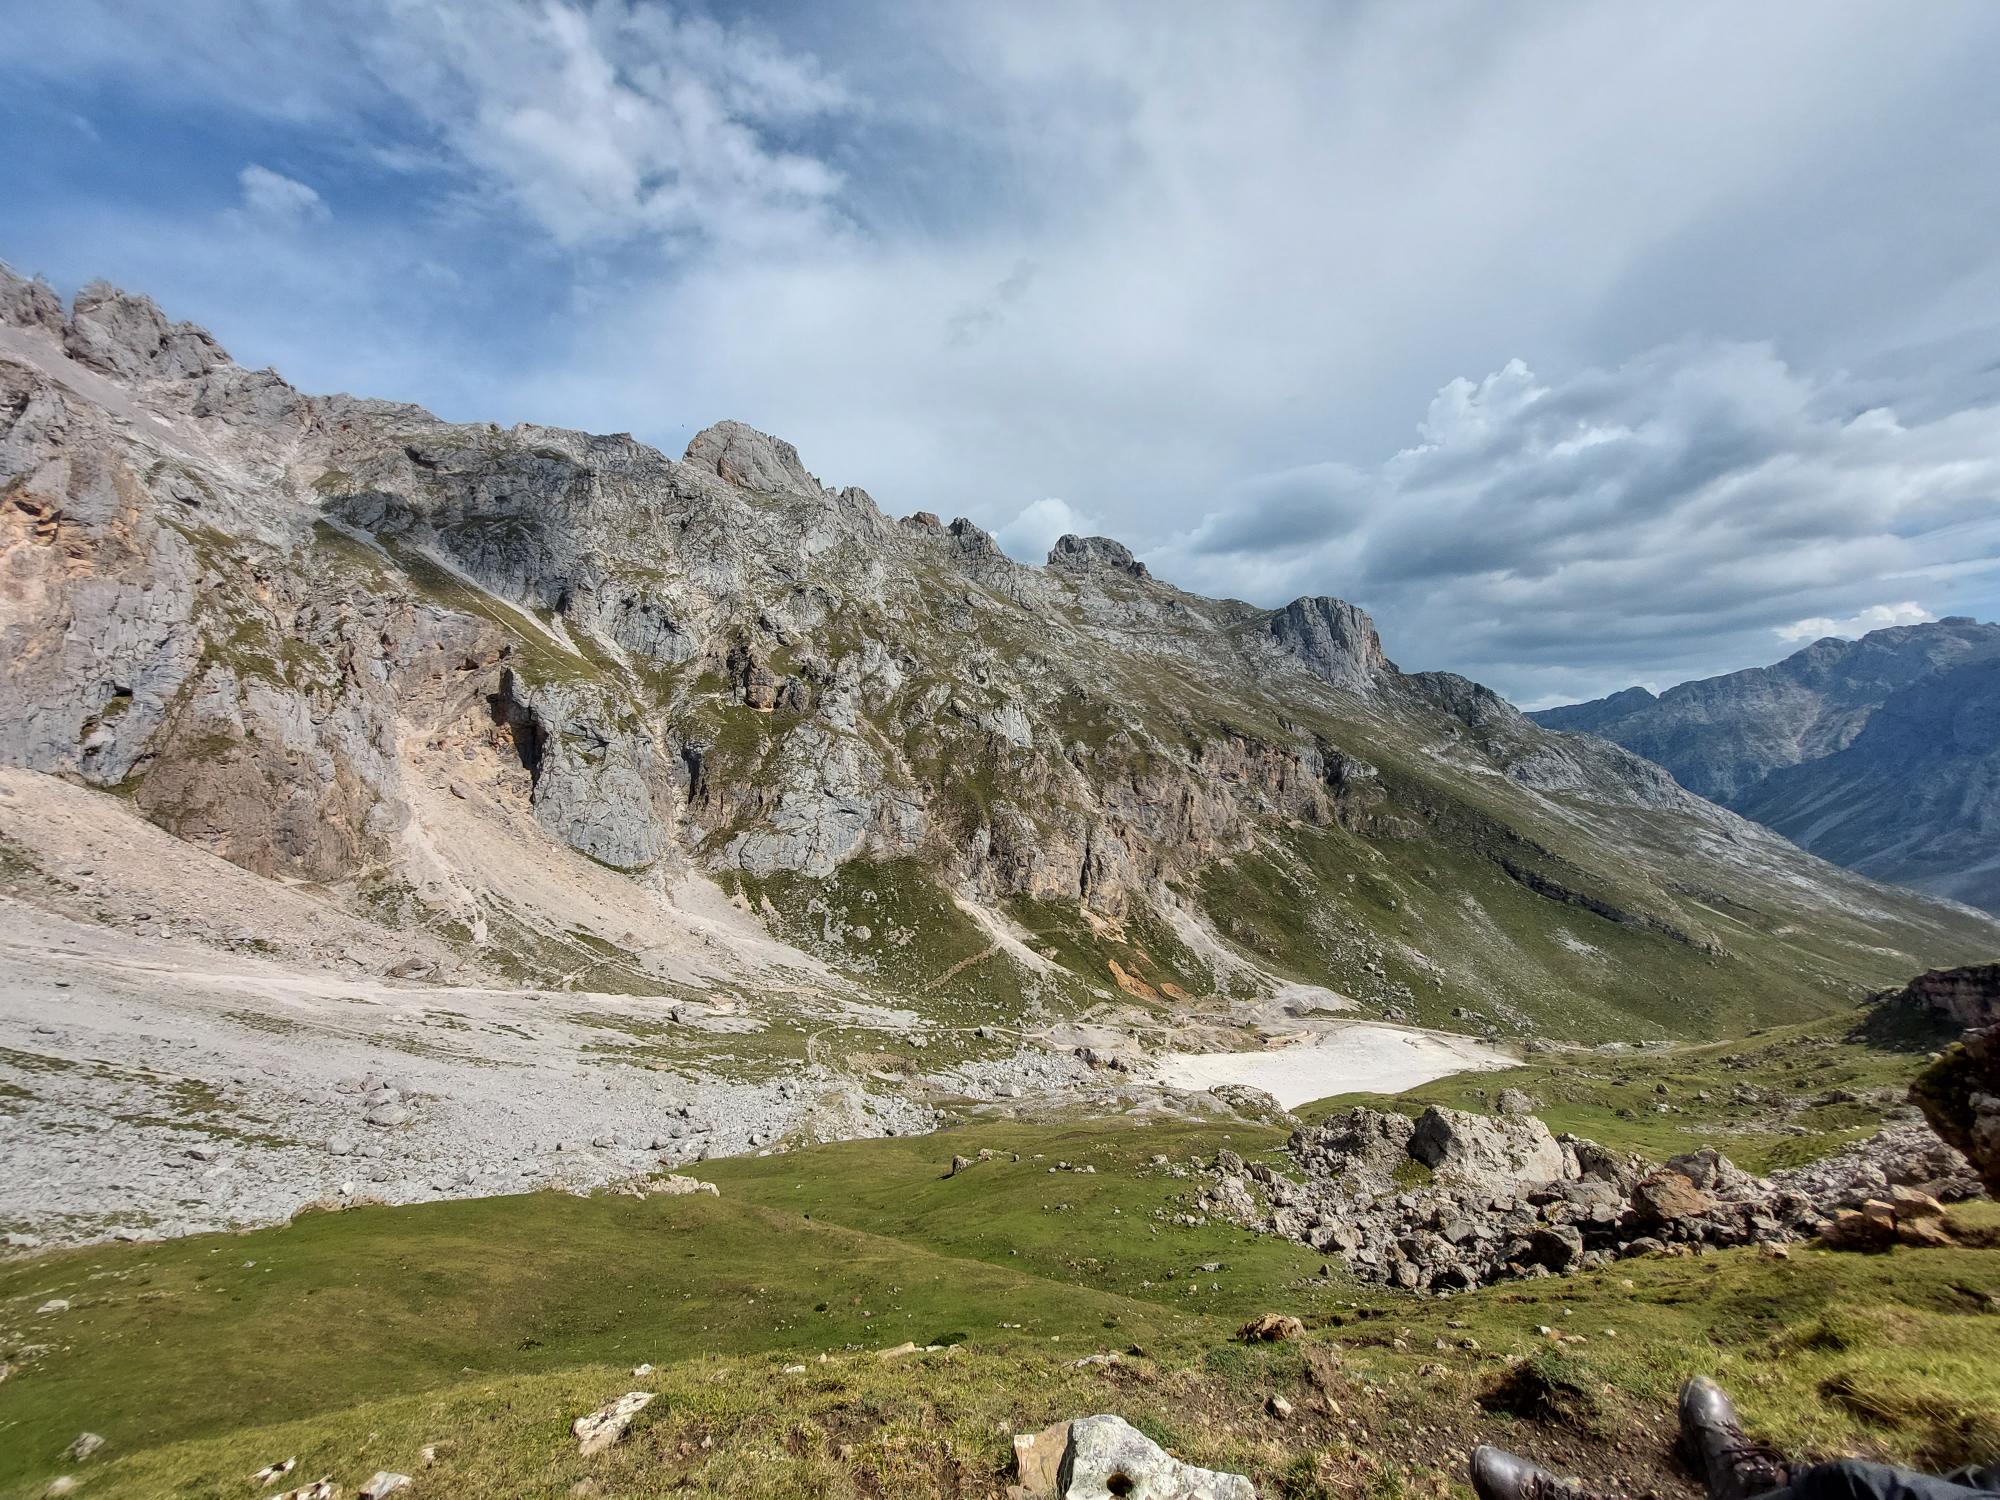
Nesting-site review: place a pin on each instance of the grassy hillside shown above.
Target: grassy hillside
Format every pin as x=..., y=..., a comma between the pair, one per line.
x=354, y=1340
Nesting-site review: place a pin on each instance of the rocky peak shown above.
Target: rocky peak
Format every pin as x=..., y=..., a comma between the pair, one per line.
x=123, y=335
x=1336, y=640
x=1473, y=704
x=752, y=460
x=1588, y=717
x=1081, y=553
x=973, y=540
x=29, y=304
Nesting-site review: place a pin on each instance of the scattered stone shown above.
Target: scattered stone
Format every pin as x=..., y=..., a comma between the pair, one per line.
x=322, y=1488
x=1487, y=1211
x=1279, y=1407
x=381, y=1483
x=86, y=1444
x=595, y=1431
x=271, y=1473
x=54, y=1305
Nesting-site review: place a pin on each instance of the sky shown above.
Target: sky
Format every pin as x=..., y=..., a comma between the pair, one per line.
x=1583, y=345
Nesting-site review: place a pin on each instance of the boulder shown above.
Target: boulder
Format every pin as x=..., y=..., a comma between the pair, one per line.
x=1666, y=1197
x=595, y=1431
x=1558, y=1247
x=1108, y=1457
x=1038, y=1458
x=1270, y=1328
x=1852, y=1229
x=1494, y=1155
x=1515, y=1102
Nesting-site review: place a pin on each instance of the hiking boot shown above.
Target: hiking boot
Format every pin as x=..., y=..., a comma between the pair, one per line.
x=1733, y=1467
x=1500, y=1475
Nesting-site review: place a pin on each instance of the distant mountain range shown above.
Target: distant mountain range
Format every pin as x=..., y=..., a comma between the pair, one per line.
x=1881, y=754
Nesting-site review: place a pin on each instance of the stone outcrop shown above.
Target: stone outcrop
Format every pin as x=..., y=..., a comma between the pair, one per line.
x=30, y=304
x=1968, y=998
x=1081, y=553
x=1960, y=1096
x=1503, y=1197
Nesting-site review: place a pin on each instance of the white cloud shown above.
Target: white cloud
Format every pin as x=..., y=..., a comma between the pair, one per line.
x=608, y=121
x=273, y=198
x=1030, y=534
x=1875, y=617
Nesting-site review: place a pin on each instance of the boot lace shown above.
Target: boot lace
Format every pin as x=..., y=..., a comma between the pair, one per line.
x=1757, y=1466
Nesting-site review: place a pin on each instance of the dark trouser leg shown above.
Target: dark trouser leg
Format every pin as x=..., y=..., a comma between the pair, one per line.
x=1851, y=1479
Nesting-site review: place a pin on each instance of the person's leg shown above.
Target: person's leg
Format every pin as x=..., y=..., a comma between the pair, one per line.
x=1852, y=1479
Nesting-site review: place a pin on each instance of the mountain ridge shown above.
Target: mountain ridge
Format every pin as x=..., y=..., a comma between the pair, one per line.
x=285, y=620
x=1796, y=746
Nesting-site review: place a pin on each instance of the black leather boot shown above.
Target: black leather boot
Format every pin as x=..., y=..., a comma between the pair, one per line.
x=1500, y=1475
x=1733, y=1467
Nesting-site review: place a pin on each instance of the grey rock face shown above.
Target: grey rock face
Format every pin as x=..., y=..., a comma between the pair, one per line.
x=1109, y=1457
x=1333, y=639
x=743, y=456
x=31, y=305
x=128, y=337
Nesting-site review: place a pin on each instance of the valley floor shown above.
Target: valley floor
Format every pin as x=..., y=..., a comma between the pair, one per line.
x=475, y=1331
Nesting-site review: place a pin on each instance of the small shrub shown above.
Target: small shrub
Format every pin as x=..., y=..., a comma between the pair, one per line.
x=1550, y=1387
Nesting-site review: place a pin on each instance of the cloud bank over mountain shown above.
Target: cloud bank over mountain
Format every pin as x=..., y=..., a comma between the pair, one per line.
x=1583, y=345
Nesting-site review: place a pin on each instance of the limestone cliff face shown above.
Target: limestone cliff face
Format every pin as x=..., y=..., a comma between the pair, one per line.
x=253, y=611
